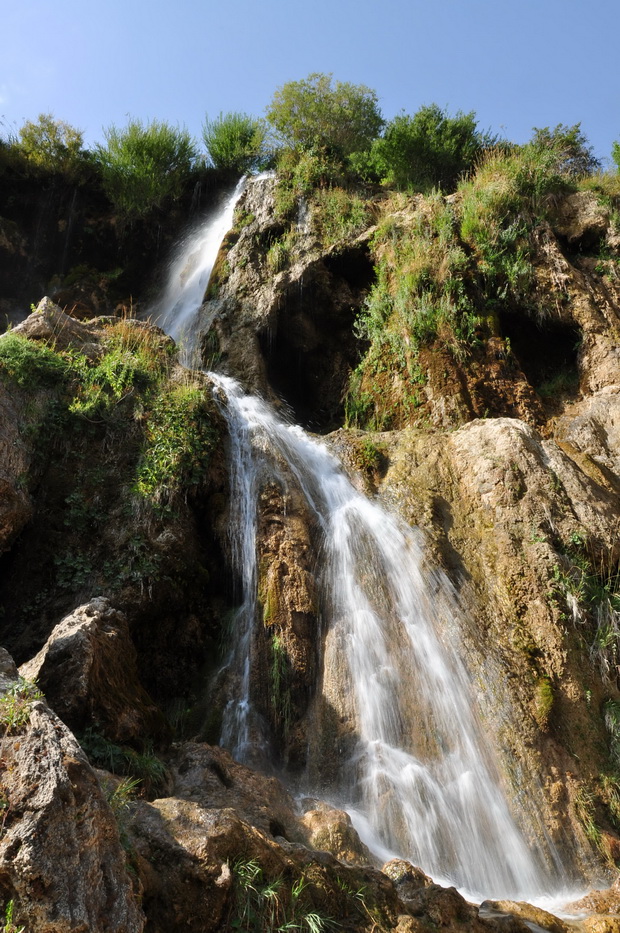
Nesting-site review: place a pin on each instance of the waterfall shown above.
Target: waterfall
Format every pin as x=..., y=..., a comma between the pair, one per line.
x=188, y=277
x=417, y=772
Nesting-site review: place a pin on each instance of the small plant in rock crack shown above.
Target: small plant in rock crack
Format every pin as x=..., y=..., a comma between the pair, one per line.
x=16, y=704
x=272, y=906
x=9, y=926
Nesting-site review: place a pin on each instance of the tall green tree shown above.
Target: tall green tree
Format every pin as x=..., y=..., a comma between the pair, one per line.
x=235, y=142
x=318, y=113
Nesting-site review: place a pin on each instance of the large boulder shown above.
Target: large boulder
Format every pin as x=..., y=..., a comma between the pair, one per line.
x=209, y=776
x=89, y=674
x=332, y=831
x=61, y=860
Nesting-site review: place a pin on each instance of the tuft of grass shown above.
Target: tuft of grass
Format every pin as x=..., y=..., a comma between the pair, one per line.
x=338, y=215
x=144, y=767
x=16, y=705
x=272, y=906
x=9, y=926
x=419, y=297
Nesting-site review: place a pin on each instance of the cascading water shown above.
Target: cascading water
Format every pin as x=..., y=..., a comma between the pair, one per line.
x=418, y=770
x=188, y=277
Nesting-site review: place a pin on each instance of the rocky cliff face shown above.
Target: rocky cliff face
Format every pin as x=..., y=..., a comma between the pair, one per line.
x=519, y=504
x=116, y=600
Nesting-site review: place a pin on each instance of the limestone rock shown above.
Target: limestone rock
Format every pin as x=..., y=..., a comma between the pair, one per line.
x=51, y=324
x=601, y=923
x=606, y=901
x=332, y=830
x=531, y=915
x=208, y=775
x=61, y=860
x=88, y=672
x=581, y=218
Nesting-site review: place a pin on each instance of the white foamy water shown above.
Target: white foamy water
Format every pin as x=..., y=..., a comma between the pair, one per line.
x=177, y=308
x=420, y=775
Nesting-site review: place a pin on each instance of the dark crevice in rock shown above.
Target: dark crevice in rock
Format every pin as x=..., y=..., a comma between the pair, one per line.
x=547, y=351
x=312, y=348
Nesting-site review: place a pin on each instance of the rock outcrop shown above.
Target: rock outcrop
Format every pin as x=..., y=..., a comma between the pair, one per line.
x=61, y=860
x=88, y=672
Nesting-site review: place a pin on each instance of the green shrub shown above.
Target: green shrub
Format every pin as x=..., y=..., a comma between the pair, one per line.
x=418, y=297
x=132, y=359
x=314, y=113
x=16, y=705
x=235, y=142
x=615, y=154
x=52, y=145
x=30, y=364
x=144, y=165
x=179, y=441
x=500, y=206
x=569, y=148
x=427, y=150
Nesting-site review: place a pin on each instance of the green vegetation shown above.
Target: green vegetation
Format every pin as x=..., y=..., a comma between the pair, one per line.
x=52, y=145
x=143, y=166
x=179, y=441
x=16, y=705
x=235, y=142
x=29, y=364
x=154, y=426
x=543, y=701
x=317, y=114
x=569, y=148
x=143, y=767
x=419, y=296
x=427, y=150
x=589, y=582
x=9, y=926
x=272, y=906
x=280, y=684
x=338, y=214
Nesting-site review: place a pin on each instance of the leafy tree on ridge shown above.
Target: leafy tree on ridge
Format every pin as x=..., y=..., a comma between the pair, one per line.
x=317, y=113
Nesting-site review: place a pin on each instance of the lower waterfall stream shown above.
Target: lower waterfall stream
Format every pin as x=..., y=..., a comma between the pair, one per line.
x=420, y=779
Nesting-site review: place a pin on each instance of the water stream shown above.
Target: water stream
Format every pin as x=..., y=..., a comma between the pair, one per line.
x=188, y=277
x=419, y=775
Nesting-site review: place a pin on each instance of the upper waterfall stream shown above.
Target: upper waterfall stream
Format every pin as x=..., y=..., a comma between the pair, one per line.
x=420, y=773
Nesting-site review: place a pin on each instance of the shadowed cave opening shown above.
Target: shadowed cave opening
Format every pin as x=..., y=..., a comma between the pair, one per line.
x=547, y=351
x=312, y=348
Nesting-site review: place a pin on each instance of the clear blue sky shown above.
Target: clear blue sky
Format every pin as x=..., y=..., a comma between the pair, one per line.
x=517, y=63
